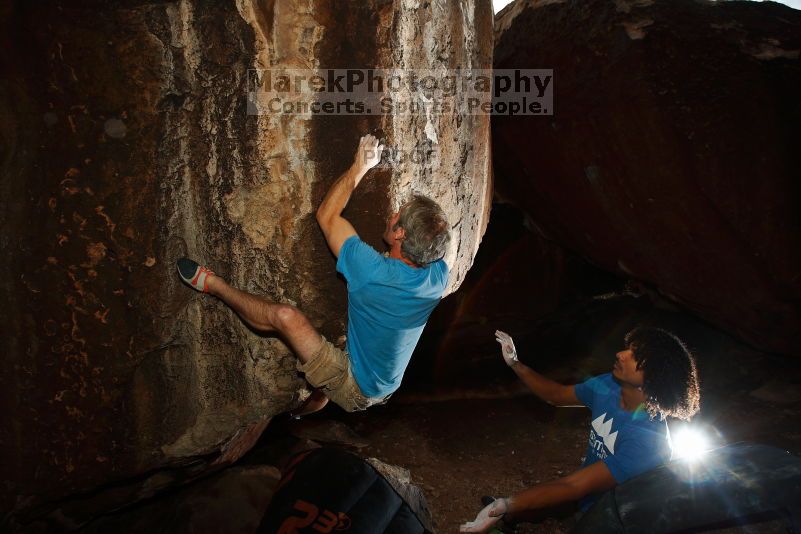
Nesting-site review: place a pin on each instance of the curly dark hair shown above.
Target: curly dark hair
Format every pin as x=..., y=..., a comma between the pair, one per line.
x=670, y=378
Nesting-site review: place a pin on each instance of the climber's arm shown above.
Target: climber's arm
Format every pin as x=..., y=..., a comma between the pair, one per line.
x=329, y=215
x=335, y=227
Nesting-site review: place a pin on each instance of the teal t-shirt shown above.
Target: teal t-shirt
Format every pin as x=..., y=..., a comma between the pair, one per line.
x=388, y=305
x=629, y=443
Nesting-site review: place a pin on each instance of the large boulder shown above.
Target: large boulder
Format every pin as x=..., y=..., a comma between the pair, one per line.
x=672, y=155
x=126, y=142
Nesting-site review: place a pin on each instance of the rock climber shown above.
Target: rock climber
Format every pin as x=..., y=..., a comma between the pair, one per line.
x=390, y=296
x=653, y=378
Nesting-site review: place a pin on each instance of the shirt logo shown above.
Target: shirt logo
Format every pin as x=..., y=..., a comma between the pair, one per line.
x=604, y=430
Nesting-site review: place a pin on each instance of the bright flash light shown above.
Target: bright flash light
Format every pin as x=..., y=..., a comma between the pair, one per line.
x=690, y=444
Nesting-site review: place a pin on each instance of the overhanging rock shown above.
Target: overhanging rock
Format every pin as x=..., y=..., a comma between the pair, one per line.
x=127, y=143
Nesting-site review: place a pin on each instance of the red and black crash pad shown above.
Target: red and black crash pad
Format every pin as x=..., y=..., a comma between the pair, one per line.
x=331, y=490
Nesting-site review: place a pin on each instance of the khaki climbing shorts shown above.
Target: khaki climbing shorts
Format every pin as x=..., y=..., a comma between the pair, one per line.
x=329, y=370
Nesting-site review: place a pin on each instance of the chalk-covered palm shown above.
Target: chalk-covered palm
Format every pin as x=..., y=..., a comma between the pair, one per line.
x=487, y=517
x=368, y=154
x=507, y=348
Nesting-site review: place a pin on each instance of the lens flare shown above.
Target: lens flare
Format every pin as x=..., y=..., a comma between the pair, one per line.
x=690, y=444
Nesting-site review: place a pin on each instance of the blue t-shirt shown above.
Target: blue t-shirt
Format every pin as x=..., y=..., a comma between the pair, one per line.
x=629, y=443
x=388, y=305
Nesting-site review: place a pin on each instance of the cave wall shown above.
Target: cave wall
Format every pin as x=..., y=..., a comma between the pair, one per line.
x=126, y=143
x=672, y=156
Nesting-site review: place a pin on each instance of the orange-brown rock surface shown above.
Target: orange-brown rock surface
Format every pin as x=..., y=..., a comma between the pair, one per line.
x=672, y=156
x=126, y=143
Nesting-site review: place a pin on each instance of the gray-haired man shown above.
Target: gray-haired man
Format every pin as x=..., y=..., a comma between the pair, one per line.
x=390, y=297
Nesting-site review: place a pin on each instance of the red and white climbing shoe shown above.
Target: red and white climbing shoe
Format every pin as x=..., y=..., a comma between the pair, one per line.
x=194, y=275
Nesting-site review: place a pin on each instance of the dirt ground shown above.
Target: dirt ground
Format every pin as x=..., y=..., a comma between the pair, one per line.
x=459, y=450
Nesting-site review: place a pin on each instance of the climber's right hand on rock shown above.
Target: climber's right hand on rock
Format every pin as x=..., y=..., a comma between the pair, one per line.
x=368, y=154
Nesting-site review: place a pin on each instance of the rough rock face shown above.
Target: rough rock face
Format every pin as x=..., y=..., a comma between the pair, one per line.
x=672, y=156
x=125, y=144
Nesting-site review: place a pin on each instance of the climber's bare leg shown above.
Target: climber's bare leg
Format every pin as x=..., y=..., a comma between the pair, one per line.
x=261, y=314
x=316, y=402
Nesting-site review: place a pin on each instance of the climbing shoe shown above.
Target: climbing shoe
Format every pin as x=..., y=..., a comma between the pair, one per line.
x=193, y=274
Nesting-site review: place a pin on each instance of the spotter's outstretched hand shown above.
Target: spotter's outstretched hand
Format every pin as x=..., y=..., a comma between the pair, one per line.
x=487, y=517
x=507, y=348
